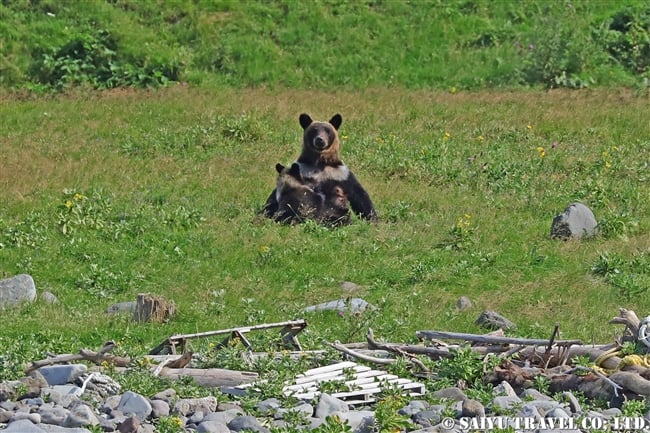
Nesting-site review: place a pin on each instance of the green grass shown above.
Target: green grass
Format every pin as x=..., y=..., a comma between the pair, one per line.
x=326, y=43
x=158, y=193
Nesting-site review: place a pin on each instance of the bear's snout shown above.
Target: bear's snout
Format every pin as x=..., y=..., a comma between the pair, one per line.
x=320, y=142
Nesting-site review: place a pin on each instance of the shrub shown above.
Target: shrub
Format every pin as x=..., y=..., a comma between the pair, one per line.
x=93, y=58
x=626, y=37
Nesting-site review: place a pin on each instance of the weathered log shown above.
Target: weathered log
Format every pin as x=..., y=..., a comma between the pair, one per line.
x=210, y=377
x=629, y=319
x=559, y=355
x=631, y=381
x=489, y=339
x=83, y=355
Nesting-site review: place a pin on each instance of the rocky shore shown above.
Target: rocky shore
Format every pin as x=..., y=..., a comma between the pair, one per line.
x=71, y=399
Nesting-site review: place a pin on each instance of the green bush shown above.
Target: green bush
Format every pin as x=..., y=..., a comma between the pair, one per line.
x=93, y=58
x=626, y=37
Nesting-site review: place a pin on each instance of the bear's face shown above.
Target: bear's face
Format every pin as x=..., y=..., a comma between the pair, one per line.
x=320, y=142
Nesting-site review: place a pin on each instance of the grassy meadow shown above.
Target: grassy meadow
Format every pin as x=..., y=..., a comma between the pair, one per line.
x=138, y=142
x=110, y=194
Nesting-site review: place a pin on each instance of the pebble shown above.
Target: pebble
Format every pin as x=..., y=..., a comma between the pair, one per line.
x=59, y=407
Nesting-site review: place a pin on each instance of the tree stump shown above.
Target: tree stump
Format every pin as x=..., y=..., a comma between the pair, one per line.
x=153, y=309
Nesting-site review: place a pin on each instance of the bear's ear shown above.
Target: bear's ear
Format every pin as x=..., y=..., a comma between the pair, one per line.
x=336, y=121
x=305, y=120
x=295, y=171
x=279, y=167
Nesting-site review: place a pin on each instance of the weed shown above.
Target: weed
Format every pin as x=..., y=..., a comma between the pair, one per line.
x=541, y=383
x=634, y=408
x=333, y=424
x=463, y=366
x=169, y=424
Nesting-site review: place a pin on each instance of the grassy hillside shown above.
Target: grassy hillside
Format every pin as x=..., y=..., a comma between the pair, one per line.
x=107, y=195
x=462, y=44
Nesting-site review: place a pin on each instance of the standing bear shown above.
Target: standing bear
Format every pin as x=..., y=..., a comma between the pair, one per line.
x=322, y=172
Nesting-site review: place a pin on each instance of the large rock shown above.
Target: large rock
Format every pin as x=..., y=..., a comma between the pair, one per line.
x=577, y=221
x=62, y=374
x=493, y=320
x=16, y=290
x=132, y=403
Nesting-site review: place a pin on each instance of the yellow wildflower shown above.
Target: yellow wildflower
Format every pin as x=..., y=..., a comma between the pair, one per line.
x=541, y=151
x=68, y=204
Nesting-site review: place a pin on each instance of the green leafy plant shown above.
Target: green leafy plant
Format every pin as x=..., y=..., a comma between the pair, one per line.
x=334, y=424
x=169, y=424
x=634, y=408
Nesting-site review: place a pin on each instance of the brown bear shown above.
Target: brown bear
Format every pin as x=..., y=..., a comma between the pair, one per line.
x=321, y=168
x=298, y=200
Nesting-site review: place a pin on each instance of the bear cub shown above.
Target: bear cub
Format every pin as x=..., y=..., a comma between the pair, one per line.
x=298, y=200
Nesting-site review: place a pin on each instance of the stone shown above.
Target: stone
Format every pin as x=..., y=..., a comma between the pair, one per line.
x=49, y=298
x=472, y=408
x=16, y=290
x=247, y=423
x=532, y=393
x=188, y=406
x=361, y=421
x=413, y=407
x=23, y=426
x=427, y=418
x=132, y=403
x=55, y=415
x=130, y=425
x=574, y=404
x=159, y=408
x=34, y=418
x=557, y=412
x=327, y=405
x=353, y=305
x=349, y=287
x=452, y=393
x=223, y=417
x=576, y=222
x=122, y=307
x=212, y=427
x=505, y=402
x=80, y=415
x=270, y=405
x=64, y=395
x=167, y=395
x=529, y=411
x=463, y=303
x=62, y=374
x=504, y=388
x=493, y=320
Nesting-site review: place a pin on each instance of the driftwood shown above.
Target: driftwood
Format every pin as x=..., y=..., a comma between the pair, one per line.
x=489, y=339
x=630, y=320
x=210, y=377
x=83, y=355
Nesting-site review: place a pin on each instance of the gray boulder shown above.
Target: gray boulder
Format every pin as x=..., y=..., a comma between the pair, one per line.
x=16, y=290
x=132, y=403
x=577, y=221
x=493, y=320
x=62, y=374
